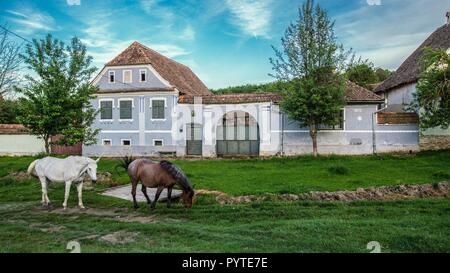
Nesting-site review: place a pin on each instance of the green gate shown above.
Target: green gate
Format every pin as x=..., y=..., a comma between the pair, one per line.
x=237, y=135
x=193, y=139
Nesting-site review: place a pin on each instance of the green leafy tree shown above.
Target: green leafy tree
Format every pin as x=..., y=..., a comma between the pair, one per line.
x=361, y=72
x=432, y=98
x=56, y=100
x=310, y=63
x=364, y=73
x=383, y=74
x=9, y=111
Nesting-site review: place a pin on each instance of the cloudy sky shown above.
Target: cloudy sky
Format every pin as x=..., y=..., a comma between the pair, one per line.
x=225, y=42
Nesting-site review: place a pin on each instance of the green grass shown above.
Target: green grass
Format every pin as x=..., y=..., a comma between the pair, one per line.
x=421, y=225
x=296, y=174
x=401, y=226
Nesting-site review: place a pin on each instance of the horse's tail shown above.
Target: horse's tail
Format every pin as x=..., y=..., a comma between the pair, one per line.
x=31, y=168
x=177, y=174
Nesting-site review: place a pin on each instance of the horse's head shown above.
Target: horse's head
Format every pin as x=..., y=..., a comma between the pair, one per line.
x=92, y=170
x=187, y=197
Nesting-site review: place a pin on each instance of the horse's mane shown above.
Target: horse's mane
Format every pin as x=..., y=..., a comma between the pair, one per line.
x=177, y=174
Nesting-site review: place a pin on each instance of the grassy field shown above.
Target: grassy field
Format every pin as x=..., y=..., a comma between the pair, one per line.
x=294, y=175
x=421, y=225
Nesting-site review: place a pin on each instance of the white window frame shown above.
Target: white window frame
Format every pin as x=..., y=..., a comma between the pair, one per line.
x=140, y=75
x=165, y=106
x=109, y=76
x=132, y=107
x=100, y=107
x=125, y=139
x=131, y=75
x=162, y=142
x=106, y=139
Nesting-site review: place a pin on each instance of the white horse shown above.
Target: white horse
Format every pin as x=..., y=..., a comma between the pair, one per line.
x=69, y=170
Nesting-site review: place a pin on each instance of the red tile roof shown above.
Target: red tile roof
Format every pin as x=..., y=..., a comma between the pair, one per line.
x=175, y=73
x=12, y=129
x=234, y=98
x=353, y=94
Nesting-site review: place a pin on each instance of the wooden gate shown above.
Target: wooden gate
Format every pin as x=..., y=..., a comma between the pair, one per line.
x=65, y=150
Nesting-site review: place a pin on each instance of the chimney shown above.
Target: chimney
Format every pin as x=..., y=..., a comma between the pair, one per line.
x=448, y=17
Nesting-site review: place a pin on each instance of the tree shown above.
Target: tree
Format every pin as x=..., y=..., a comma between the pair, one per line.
x=56, y=102
x=361, y=72
x=383, y=74
x=364, y=73
x=432, y=98
x=10, y=62
x=9, y=111
x=310, y=63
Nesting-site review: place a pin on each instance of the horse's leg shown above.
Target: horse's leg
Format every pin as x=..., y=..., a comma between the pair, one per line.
x=44, y=191
x=144, y=191
x=80, y=193
x=158, y=192
x=169, y=196
x=66, y=194
x=133, y=193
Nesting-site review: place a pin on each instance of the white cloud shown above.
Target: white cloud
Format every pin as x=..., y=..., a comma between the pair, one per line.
x=31, y=20
x=73, y=2
x=103, y=45
x=253, y=17
x=390, y=33
x=188, y=33
x=169, y=50
x=373, y=2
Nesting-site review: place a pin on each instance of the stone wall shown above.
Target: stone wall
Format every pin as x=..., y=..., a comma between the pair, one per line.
x=430, y=142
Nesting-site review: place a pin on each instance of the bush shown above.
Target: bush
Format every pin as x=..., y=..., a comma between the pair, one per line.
x=441, y=175
x=339, y=170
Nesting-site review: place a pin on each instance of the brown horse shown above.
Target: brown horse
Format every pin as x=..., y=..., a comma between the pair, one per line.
x=159, y=175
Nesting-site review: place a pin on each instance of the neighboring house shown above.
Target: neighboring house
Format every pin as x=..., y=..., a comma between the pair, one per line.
x=151, y=105
x=16, y=140
x=398, y=89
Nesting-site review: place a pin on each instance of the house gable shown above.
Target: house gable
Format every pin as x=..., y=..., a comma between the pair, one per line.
x=409, y=70
x=169, y=72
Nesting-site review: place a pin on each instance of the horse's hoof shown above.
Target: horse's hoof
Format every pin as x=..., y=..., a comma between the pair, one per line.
x=82, y=207
x=135, y=207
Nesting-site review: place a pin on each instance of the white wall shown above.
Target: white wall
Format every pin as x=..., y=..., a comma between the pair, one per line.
x=21, y=145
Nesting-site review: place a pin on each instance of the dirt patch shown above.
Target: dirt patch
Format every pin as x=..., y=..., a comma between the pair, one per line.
x=397, y=192
x=88, y=211
x=120, y=237
x=137, y=218
x=51, y=228
x=19, y=176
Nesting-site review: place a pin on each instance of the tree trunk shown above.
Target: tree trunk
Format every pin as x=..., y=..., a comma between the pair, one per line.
x=47, y=145
x=313, y=134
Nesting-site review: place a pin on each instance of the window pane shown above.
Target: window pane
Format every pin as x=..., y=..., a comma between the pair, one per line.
x=158, y=109
x=106, y=110
x=143, y=76
x=126, y=109
x=158, y=142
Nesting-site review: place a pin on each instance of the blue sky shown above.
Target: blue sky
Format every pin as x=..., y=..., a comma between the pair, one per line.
x=225, y=42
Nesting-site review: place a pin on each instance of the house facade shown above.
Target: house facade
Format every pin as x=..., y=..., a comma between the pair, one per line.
x=150, y=105
x=399, y=88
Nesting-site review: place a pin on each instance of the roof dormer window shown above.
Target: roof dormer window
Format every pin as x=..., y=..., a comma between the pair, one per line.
x=112, y=76
x=143, y=75
x=127, y=76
